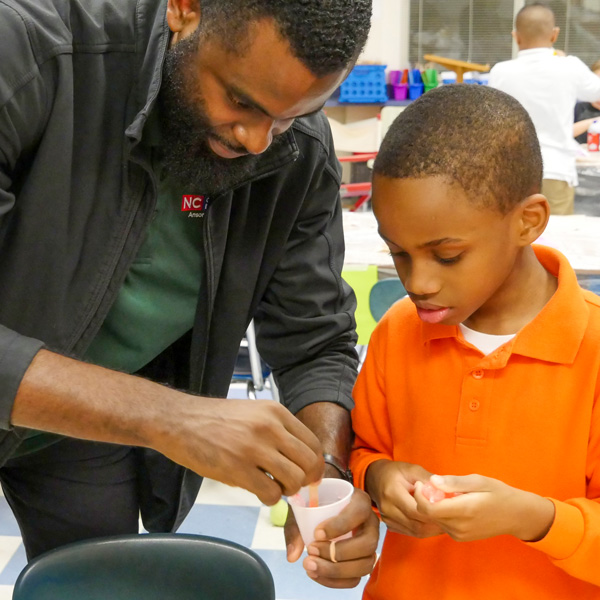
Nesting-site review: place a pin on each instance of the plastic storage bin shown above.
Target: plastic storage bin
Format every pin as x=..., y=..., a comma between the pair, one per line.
x=448, y=77
x=400, y=91
x=416, y=87
x=415, y=90
x=365, y=83
x=430, y=79
x=399, y=84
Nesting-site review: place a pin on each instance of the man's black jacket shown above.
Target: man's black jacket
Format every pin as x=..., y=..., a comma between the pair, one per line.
x=78, y=79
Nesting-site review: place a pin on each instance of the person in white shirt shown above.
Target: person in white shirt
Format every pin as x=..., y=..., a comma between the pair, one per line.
x=548, y=86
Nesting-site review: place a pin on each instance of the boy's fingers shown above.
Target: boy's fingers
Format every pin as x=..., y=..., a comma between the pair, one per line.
x=293, y=541
x=463, y=483
x=358, y=513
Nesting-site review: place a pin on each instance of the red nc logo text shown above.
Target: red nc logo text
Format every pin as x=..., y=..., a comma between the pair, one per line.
x=199, y=203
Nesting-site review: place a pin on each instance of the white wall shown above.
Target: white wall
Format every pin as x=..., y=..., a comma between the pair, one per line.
x=388, y=39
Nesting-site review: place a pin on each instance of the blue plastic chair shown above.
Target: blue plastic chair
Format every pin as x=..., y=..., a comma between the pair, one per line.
x=383, y=294
x=147, y=567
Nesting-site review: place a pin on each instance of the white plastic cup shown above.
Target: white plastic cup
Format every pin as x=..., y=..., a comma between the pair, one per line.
x=334, y=495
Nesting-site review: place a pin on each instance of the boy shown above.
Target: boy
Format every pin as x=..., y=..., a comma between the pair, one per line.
x=487, y=373
x=548, y=86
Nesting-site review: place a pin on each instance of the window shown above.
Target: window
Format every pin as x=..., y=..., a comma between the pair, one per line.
x=579, y=22
x=480, y=30
x=472, y=30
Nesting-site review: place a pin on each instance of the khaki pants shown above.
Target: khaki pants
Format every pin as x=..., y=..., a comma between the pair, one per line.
x=561, y=196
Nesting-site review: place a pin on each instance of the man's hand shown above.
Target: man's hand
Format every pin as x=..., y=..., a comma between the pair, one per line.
x=352, y=558
x=258, y=445
x=391, y=485
x=484, y=508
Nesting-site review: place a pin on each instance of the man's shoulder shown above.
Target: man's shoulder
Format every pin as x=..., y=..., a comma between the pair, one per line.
x=315, y=127
x=55, y=26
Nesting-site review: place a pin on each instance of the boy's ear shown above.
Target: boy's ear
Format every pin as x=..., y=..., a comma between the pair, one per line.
x=531, y=218
x=183, y=17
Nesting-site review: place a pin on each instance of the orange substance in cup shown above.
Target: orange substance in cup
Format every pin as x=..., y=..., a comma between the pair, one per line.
x=313, y=495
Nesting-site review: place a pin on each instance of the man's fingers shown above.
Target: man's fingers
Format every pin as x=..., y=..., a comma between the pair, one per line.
x=266, y=488
x=300, y=431
x=298, y=456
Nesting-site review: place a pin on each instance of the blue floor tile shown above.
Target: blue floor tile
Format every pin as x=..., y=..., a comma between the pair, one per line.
x=235, y=523
x=292, y=583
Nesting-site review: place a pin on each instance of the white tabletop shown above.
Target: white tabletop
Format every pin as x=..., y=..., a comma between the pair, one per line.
x=586, y=158
x=576, y=236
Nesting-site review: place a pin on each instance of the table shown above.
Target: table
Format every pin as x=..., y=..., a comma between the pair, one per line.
x=576, y=236
x=587, y=193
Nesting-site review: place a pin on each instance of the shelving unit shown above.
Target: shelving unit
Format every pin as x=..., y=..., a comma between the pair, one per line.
x=350, y=112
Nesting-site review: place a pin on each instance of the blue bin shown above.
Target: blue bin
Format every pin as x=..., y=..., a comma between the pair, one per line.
x=415, y=90
x=365, y=83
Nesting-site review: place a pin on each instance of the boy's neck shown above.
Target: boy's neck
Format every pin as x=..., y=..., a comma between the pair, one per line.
x=525, y=292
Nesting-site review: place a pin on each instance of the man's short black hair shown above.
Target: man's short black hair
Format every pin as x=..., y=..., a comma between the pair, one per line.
x=325, y=35
x=476, y=136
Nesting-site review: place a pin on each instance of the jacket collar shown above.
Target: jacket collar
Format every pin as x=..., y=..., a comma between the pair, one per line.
x=152, y=40
x=556, y=333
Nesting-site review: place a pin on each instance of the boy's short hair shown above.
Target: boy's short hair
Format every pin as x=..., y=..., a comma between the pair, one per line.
x=535, y=20
x=476, y=136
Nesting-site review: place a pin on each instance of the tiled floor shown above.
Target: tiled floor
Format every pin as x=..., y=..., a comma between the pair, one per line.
x=220, y=511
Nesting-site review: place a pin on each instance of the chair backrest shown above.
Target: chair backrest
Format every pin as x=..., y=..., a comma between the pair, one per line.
x=147, y=567
x=383, y=294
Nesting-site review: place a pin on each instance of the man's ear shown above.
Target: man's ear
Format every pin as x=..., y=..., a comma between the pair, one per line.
x=515, y=36
x=183, y=17
x=555, y=33
x=531, y=218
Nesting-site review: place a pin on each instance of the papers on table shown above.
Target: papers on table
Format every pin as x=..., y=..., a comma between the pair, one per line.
x=363, y=244
x=576, y=236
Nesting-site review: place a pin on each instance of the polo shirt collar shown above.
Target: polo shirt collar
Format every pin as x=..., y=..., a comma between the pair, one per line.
x=556, y=333
x=535, y=52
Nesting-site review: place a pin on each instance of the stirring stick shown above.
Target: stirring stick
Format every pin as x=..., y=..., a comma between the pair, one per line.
x=313, y=495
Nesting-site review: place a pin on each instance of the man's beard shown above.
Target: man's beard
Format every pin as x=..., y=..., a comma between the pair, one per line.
x=185, y=153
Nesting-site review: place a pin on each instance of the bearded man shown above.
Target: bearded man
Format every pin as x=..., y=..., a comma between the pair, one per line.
x=166, y=176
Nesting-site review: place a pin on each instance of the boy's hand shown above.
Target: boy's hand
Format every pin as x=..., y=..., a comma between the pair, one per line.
x=484, y=508
x=339, y=564
x=391, y=486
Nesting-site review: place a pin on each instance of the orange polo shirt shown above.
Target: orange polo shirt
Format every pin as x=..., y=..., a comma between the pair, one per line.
x=527, y=414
